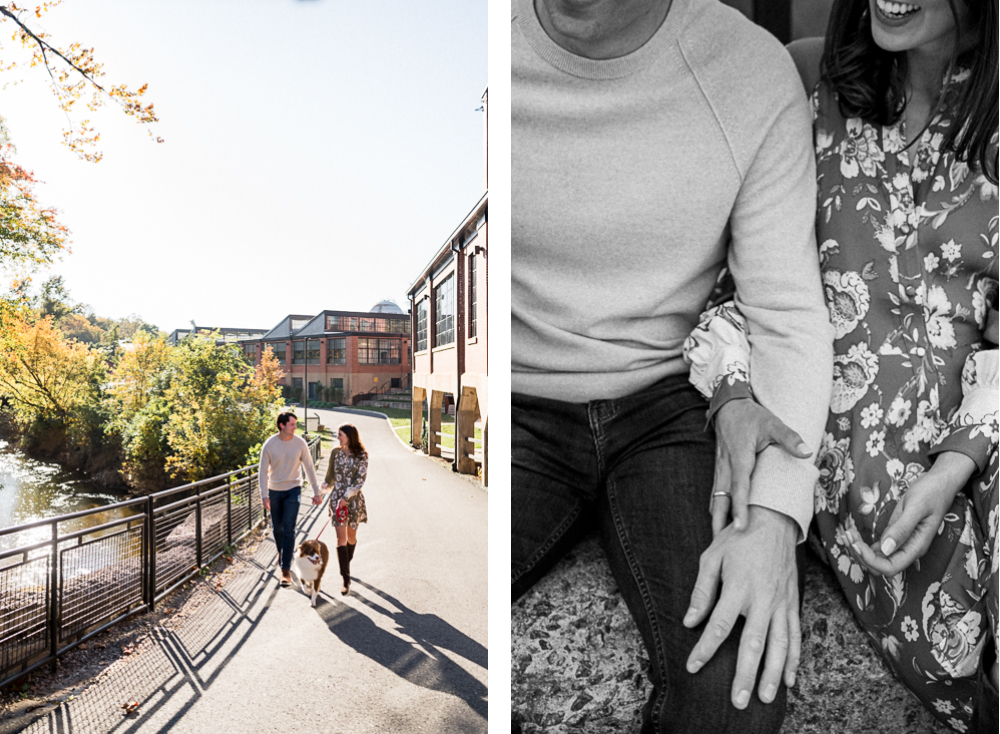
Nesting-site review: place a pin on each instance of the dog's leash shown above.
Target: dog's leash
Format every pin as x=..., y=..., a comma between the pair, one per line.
x=341, y=515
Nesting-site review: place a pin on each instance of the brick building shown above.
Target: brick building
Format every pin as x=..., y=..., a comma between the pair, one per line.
x=449, y=322
x=340, y=355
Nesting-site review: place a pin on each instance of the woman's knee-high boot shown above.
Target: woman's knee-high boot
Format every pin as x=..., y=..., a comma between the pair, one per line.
x=343, y=556
x=350, y=551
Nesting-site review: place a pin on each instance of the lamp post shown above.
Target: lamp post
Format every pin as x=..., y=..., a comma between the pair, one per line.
x=305, y=389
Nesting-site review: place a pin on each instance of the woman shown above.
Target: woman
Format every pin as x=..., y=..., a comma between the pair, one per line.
x=905, y=119
x=345, y=475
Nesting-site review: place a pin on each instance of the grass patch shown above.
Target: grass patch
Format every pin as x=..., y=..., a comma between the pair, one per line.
x=400, y=420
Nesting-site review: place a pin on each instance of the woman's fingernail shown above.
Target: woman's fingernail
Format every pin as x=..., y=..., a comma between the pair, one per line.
x=802, y=448
x=888, y=546
x=769, y=692
x=791, y=680
x=856, y=548
x=742, y=699
x=690, y=615
x=694, y=666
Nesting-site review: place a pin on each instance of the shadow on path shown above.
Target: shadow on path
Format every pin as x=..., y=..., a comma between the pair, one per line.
x=180, y=664
x=419, y=662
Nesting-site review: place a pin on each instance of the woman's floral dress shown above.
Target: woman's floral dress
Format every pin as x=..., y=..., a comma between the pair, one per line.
x=908, y=251
x=346, y=473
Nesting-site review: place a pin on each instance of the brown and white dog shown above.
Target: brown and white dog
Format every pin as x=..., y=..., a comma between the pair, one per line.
x=309, y=564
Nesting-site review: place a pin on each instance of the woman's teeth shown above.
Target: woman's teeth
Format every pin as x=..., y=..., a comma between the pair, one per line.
x=896, y=10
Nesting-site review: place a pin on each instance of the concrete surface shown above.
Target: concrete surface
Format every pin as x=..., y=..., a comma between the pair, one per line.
x=578, y=664
x=405, y=652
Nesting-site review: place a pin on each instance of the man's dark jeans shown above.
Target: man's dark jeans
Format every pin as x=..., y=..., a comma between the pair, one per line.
x=284, y=515
x=641, y=467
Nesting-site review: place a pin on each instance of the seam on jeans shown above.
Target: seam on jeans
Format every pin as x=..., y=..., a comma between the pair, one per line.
x=655, y=714
x=597, y=429
x=553, y=538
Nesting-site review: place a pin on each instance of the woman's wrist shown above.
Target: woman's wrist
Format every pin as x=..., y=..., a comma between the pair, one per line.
x=954, y=469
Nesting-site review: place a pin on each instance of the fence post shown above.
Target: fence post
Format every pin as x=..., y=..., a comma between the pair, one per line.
x=197, y=529
x=53, y=596
x=229, y=513
x=151, y=532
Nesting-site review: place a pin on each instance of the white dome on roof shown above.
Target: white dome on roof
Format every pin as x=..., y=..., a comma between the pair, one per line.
x=386, y=306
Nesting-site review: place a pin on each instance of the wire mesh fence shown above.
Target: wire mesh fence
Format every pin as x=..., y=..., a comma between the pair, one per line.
x=58, y=589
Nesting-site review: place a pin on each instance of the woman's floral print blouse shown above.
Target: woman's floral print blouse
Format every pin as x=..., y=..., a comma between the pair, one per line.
x=346, y=473
x=908, y=250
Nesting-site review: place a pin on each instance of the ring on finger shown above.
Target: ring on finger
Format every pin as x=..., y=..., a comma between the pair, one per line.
x=720, y=494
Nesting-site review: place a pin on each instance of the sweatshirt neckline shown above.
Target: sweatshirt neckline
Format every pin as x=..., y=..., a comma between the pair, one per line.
x=597, y=69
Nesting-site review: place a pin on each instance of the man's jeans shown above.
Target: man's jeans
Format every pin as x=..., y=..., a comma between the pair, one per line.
x=284, y=515
x=641, y=468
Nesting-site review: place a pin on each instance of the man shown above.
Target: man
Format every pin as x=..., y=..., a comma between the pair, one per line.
x=652, y=141
x=282, y=460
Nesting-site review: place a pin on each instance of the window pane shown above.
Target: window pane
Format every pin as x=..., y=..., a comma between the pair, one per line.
x=336, y=351
x=472, y=295
x=421, y=325
x=444, y=306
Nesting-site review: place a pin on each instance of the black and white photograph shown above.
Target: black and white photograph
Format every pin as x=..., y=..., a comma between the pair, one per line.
x=753, y=366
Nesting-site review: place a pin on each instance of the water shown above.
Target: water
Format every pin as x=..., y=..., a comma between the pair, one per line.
x=31, y=490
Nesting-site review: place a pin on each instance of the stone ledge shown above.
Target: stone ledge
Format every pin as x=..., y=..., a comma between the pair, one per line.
x=578, y=664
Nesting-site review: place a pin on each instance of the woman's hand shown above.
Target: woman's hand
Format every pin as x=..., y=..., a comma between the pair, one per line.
x=743, y=429
x=917, y=516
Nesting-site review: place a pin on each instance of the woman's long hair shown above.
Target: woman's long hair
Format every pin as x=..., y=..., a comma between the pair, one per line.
x=354, y=445
x=869, y=82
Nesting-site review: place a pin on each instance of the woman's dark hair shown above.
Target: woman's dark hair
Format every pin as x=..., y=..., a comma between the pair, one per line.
x=869, y=81
x=354, y=444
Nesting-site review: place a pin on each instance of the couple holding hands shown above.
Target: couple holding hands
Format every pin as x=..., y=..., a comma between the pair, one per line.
x=283, y=459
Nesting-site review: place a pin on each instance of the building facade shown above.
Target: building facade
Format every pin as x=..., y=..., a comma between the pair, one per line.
x=450, y=326
x=340, y=355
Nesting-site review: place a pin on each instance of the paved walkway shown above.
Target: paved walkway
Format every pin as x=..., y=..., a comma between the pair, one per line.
x=405, y=652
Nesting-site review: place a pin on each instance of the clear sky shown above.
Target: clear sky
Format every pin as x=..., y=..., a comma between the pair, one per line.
x=317, y=153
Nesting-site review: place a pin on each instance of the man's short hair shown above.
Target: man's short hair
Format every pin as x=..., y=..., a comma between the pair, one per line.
x=283, y=419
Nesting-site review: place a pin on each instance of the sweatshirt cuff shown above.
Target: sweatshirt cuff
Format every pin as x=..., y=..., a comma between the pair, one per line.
x=784, y=484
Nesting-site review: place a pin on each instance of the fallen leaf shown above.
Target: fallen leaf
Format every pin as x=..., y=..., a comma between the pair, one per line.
x=84, y=646
x=131, y=707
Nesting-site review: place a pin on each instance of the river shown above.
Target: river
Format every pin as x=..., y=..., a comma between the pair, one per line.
x=31, y=489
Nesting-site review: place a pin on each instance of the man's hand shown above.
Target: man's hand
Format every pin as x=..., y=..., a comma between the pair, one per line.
x=757, y=571
x=267, y=503
x=917, y=516
x=743, y=429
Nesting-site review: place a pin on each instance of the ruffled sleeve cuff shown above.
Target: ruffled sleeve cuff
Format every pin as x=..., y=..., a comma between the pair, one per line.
x=719, y=355
x=973, y=429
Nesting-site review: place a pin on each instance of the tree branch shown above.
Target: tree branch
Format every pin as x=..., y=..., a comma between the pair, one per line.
x=43, y=45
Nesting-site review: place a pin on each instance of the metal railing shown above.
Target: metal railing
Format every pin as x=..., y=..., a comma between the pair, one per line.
x=380, y=390
x=60, y=589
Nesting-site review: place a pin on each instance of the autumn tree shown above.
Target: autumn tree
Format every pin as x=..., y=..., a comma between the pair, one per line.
x=74, y=74
x=52, y=384
x=30, y=234
x=138, y=410
x=221, y=406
